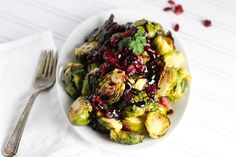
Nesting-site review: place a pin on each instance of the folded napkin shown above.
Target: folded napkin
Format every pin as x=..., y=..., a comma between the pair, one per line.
x=47, y=133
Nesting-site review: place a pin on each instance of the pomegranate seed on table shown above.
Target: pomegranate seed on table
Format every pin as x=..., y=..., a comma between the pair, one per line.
x=176, y=27
x=207, y=23
x=171, y=2
x=167, y=9
x=178, y=9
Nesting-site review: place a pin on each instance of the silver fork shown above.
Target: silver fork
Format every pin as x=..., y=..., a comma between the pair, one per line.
x=45, y=79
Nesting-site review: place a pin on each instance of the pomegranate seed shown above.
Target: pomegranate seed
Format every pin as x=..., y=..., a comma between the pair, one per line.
x=166, y=103
x=171, y=2
x=176, y=27
x=207, y=23
x=130, y=69
x=178, y=9
x=167, y=9
x=126, y=128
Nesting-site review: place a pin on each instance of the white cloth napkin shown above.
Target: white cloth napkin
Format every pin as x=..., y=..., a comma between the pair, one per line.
x=47, y=133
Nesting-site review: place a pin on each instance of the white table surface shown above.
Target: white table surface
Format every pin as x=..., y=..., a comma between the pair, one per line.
x=208, y=128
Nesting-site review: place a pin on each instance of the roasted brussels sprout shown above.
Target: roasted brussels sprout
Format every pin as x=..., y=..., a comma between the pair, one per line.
x=153, y=106
x=139, y=22
x=145, y=56
x=157, y=124
x=153, y=29
x=164, y=43
x=140, y=84
x=182, y=82
x=99, y=33
x=73, y=79
x=167, y=81
x=90, y=82
x=124, y=137
x=79, y=112
x=136, y=124
x=133, y=111
x=93, y=67
x=110, y=123
x=96, y=124
x=112, y=86
x=174, y=59
x=86, y=48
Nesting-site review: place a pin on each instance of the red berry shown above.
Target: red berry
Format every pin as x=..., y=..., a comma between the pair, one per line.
x=178, y=9
x=167, y=9
x=126, y=128
x=151, y=89
x=176, y=27
x=207, y=23
x=171, y=2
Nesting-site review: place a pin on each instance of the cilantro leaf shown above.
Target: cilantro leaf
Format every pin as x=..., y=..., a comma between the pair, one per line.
x=137, y=45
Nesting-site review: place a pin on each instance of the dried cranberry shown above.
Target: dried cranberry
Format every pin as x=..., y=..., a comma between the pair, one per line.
x=117, y=55
x=128, y=97
x=128, y=33
x=171, y=2
x=206, y=23
x=103, y=69
x=110, y=58
x=167, y=9
x=151, y=90
x=176, y=27
x=115, y=39
x=178, y=9
x=98, y=104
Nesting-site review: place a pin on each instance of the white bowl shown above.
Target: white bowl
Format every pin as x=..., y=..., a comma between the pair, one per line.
x=77, y=37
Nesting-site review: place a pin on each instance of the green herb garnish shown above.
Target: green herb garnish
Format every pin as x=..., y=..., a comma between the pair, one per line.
x=136, y=43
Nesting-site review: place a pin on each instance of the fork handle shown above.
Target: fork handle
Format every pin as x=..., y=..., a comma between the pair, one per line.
x=11, y=146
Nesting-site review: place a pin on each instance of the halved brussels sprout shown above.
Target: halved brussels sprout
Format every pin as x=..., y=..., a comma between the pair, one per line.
x=139, y=22
x=145, y=56
x=133, y=111
x=136, y=124
x=174, y=59
x=86, y=48
x=110, y=123
x=99, y=33
x=112, y=86
x=93, y=67
x=90, y=82
x=182, y=82
x=167, y=81
x=164, y=43
x=140, y=84
x=73, y=79
x=153, y=106
x=153, y=29
x=79, y=112
x=157, y=124
x=141, y=97
x=124, y=137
